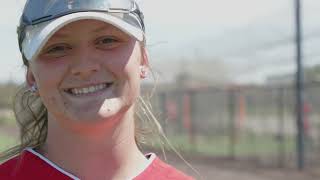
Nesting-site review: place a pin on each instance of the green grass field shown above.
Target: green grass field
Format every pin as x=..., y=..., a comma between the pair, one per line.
x=243, y=145
x=6, y=142
x=210, y=146
x=7, y=121
x=220, y=145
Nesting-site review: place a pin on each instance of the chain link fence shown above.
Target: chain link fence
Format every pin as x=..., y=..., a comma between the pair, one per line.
x=252, y=123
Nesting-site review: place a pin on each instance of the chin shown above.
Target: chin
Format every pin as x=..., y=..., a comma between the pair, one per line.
x=102, y=115
x=90, y=124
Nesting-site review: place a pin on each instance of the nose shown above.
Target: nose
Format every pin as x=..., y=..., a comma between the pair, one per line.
x=85, y=64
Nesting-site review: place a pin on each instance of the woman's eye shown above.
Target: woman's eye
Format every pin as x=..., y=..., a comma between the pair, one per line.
x=57, y=50
x=107, y=42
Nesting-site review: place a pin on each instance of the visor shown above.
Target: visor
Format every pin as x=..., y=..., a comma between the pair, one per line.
x=42, y=18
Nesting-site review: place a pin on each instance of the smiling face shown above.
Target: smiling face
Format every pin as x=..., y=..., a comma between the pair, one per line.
x=88, y=72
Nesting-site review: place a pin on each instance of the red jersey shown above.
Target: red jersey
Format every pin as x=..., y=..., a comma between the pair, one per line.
x=31, y=165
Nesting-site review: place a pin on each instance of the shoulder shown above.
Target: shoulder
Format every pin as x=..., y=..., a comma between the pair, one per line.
x=8, y=167
x=169, y=171
x=29, y=166
x=159, y=170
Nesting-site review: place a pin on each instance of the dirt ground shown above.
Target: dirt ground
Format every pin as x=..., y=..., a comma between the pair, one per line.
x=223, y=169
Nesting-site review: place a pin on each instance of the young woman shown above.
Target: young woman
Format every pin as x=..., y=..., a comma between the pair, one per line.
x=79, y=115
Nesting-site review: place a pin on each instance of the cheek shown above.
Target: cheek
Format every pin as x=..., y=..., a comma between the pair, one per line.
x=132, y=73
x=48, y=78
x=125, y=61
x=117, y=64
x=47, y=85
x=50, y=74
x=128, y=76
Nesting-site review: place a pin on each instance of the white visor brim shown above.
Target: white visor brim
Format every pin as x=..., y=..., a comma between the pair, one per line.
x=37, y=35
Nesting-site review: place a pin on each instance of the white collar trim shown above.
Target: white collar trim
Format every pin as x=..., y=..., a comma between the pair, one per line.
x=52, y=164
x=150, y=160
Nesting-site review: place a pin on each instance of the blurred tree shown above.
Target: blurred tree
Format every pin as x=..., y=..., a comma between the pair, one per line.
x=7, y=93
x=312, y=74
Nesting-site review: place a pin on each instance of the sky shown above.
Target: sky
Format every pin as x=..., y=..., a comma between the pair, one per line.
x=251, y=38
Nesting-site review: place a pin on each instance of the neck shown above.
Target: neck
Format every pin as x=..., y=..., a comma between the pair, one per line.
x=110, y=155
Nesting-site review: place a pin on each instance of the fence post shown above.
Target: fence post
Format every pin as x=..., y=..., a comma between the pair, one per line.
x=193, y=138
x=232, y=128
x=163, y=98
x=281, y=145
x=188, y=114
x=299, y=88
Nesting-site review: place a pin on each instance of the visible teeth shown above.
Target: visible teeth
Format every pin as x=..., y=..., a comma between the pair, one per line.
x=87, y=90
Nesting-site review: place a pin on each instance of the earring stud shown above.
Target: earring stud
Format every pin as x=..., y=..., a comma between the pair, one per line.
x=143, y=72
x=33, y=88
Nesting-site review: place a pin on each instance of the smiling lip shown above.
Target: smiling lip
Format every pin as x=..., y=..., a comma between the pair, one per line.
x=86, y=90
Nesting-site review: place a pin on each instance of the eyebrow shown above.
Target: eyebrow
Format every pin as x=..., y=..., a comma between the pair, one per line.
x=102, y=28
x=60, y=35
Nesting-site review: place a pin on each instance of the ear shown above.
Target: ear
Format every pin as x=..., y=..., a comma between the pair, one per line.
x=30, y=77
x=144, y=64
x=145, y=58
